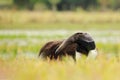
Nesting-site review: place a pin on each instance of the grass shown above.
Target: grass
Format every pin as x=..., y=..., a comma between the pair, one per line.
x=19, y=56
x=54, y=17
x=61, y=26
x=6, y=2
x=23, y=33
x=34, y=69
x=59, y=20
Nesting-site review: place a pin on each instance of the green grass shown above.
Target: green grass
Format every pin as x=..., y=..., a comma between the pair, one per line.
x=6, y=2
x=62, y=26
x=15, y=44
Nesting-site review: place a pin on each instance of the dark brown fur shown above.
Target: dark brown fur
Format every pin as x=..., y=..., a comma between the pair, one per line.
x=48, y=50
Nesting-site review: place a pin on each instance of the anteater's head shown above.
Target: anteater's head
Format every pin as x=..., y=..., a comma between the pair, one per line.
x=84, y=41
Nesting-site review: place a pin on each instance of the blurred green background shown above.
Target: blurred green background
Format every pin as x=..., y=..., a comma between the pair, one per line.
x=61, y=4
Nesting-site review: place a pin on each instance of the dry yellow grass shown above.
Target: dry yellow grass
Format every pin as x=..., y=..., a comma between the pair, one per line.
x=47, y=17
x=23, y=68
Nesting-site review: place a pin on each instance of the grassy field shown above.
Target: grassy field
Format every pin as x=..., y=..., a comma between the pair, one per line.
x=59, y=20
x=23, y=33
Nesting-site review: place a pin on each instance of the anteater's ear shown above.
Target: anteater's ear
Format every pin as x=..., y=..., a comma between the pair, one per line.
x=67, y=42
